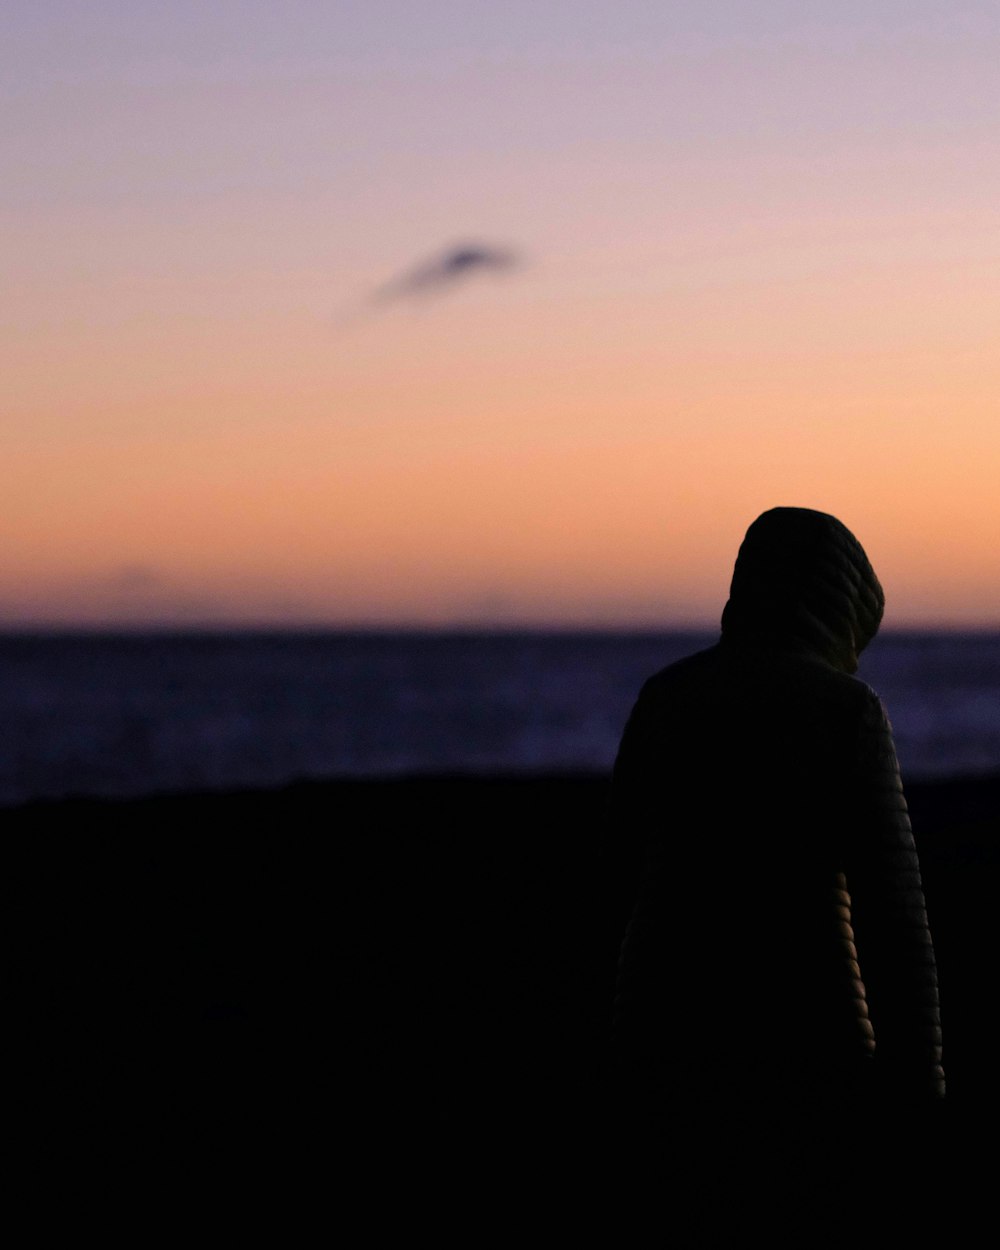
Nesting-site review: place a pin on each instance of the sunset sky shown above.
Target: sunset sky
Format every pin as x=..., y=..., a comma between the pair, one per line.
x=746, y=255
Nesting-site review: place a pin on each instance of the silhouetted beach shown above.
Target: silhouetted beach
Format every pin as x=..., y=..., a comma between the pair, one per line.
x=411, y=968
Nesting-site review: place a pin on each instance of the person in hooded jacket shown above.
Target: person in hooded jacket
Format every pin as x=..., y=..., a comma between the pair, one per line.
x=774, y=955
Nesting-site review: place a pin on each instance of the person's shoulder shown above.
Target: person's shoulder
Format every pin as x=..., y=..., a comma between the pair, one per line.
x=690, y=668
x=846, y=688
x=844, y=700
x=855, y=693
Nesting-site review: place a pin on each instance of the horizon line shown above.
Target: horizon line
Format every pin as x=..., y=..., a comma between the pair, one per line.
x=112, y=628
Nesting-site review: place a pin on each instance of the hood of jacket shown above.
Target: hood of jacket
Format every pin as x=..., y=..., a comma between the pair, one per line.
x=802, y=582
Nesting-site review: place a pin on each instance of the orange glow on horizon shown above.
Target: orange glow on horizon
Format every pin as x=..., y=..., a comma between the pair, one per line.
x=612, y=529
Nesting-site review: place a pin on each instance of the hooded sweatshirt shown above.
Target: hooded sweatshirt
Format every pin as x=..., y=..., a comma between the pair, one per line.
x=766, y=892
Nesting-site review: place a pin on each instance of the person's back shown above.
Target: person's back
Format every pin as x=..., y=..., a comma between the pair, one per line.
x=774, y=947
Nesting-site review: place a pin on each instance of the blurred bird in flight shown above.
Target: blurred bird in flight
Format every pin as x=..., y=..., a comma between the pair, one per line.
x=453, y=266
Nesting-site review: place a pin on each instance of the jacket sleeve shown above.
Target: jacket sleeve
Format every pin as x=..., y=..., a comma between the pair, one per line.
x=889, y=918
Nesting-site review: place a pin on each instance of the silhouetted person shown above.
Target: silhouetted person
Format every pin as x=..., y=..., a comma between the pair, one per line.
x=776, y=981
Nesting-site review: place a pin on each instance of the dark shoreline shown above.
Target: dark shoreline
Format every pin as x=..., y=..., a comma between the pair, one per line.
x=412, y=956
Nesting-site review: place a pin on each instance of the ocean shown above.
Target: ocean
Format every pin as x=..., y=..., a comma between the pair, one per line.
x=141, y=714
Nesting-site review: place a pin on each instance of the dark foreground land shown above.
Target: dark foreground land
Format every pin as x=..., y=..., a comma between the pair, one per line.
x=393, y=984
